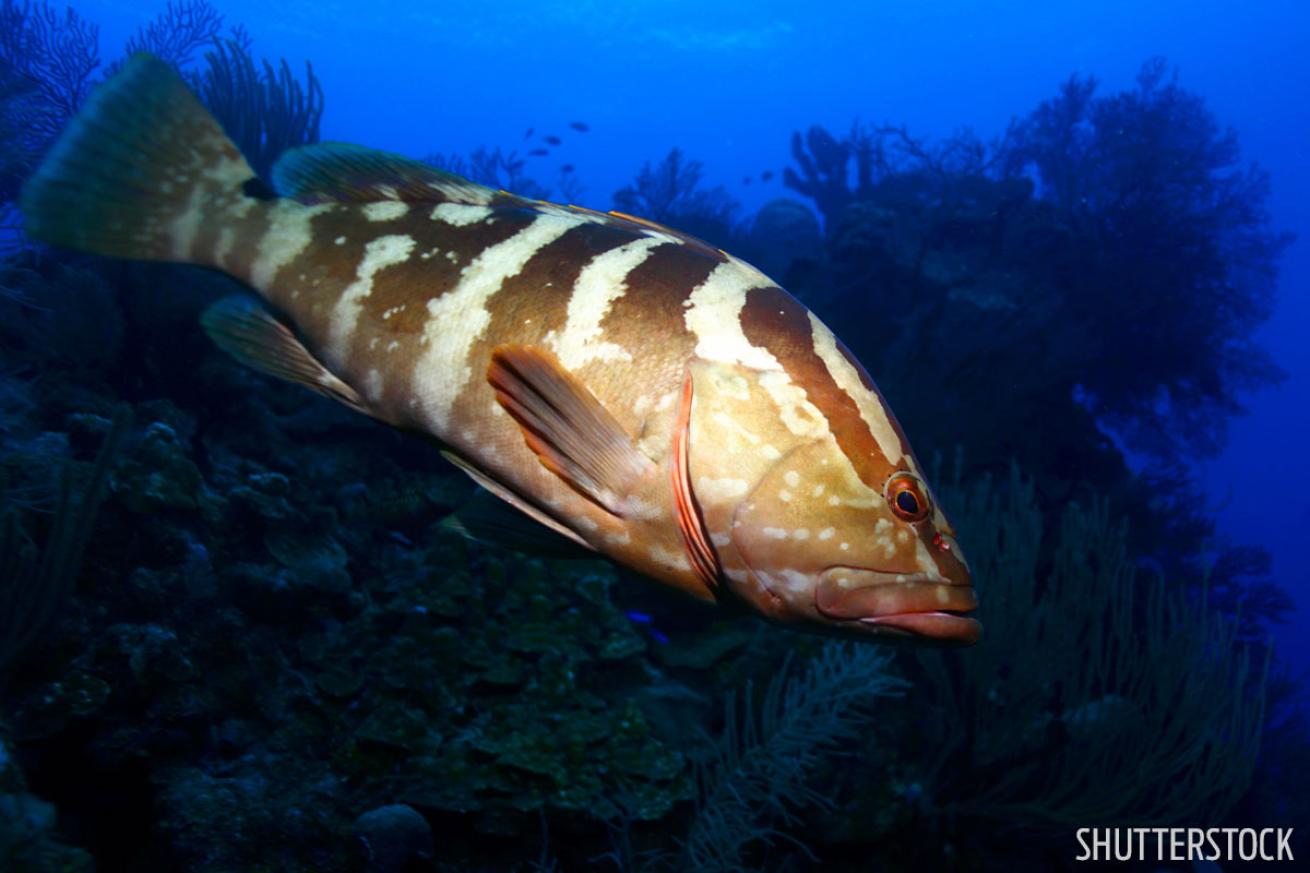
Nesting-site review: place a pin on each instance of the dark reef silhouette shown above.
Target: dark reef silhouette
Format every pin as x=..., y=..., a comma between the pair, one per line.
x=237, y=635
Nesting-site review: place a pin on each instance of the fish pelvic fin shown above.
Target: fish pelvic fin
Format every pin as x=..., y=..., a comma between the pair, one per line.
x=137, y=171
x=250, y=333
x=572, y=433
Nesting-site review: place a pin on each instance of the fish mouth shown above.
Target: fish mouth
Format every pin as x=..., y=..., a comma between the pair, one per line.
x=916, y=607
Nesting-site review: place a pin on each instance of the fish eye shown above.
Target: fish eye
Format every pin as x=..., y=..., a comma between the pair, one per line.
x=907, y=497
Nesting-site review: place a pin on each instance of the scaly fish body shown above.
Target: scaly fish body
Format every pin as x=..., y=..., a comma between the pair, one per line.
x=639, y=392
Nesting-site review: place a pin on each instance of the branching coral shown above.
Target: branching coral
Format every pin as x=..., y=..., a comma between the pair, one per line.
x=34, y=582
x=47, y=61
x=769, y=752
x=1099, y=695
x=264, y=113
x=761, y=771
x=177, y=33
x=494, y=168
x=670, y=192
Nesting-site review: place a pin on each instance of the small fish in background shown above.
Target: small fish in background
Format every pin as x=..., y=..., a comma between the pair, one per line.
x=648, y=622
x=538, y=153
x=567, y=168
x=551, y=140
x=579, y=126
x=766, y=175
x=528, y=135
x=745, y=180
x=630, y=390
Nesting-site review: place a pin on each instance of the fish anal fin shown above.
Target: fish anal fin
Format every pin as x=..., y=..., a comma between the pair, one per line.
x=513, y=500
x=252, y=335
x=695, y=534
x=571, y=432
x=333, y=172
x=486, y=518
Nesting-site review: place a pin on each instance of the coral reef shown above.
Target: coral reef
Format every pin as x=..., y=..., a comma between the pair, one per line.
x=267, y=651
x=670, y=192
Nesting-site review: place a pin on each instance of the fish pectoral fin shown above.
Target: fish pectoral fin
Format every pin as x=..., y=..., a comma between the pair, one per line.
x=335, y=172
x=572, y=433
x=523, y=506
x=256, y=338
x=490, y=520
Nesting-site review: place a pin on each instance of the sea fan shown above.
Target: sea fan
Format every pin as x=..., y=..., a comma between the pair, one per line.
x=758, y=777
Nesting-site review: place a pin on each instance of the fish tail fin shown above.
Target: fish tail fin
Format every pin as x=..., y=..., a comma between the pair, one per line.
x=137, y=171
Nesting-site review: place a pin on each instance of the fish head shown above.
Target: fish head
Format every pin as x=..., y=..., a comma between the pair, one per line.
x=826, y=551
x=818, y=511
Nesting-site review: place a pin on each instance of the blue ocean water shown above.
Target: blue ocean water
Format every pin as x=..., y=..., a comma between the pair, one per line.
x=620, y=85
x=729, y=84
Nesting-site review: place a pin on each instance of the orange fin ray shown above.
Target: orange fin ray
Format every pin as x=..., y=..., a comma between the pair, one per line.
x=572, y=433
x=695, y=535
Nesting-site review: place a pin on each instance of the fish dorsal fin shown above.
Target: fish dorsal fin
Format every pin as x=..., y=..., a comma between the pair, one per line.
x=487, y=519
x=623, y=219
x=691, y=522
x=336, y=172
x=572, y=433
x=523, y=506
x=252, y=335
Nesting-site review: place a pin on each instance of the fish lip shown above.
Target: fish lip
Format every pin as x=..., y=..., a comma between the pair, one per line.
x=908, y=606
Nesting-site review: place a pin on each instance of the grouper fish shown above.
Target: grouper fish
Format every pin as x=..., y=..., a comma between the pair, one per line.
x=640, y=393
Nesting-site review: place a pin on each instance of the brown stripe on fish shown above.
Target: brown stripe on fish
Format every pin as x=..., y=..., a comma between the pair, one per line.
x=851, y=376
x=425, y=260
x=651, y=308
x=772, y=319
x=458, y=318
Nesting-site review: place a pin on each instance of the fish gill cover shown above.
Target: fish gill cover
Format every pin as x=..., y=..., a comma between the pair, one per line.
x=238, y=630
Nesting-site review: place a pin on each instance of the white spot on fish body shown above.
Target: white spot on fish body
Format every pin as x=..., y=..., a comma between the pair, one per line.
x=288, y=234
x=186, y=226
x=341, y=241
x=386, y=210
x=776, y=533
x=827, y=533
x=800, y=533
x=924, y=558
x=792, y=478
x=784, y=495
x=669, y=558
x=226, y=239
x=380, y=253
x=460, y=214
x=373, y=385
x=720, y=490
